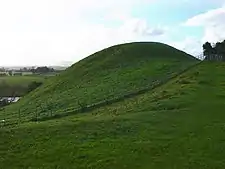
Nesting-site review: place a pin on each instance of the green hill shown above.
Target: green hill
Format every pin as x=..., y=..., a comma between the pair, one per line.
x=177, y=125
x=105, y=75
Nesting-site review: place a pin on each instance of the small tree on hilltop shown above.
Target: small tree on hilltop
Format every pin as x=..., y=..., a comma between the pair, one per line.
x=207, y=51
x=215, y=52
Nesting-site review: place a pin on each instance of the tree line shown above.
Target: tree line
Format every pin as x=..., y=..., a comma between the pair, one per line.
x=214, y=52
x=43, y=69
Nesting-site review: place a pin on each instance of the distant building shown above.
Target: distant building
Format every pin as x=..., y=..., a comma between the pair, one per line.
x=3, y=74
x=17, y=74
x=27, y=73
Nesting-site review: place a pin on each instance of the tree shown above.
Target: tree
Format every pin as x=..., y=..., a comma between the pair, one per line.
x=207, y=51
x=43, y=69
x=2, y=69
x=223, y=50
x=218, y=49
x=215, y=52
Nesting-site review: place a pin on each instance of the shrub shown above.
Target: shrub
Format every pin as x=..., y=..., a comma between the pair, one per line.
x=32, y=86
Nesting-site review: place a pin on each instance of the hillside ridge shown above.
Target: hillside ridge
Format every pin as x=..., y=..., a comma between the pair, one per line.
x=71, y=111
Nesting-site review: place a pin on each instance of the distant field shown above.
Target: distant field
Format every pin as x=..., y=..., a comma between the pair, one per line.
x=20, y=80
x=17, y=85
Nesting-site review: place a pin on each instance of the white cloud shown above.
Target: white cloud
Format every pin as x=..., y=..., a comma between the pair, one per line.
x=190, y=45
x=212, y=22
x=210, y=18
x=52, y=31
x=142, y=28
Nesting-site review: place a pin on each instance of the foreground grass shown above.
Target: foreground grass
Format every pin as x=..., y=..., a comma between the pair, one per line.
x=179, y=125
x=17, y=85
x=107, y=74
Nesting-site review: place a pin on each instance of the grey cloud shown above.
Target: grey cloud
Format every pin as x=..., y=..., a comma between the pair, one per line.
x=156, y=32
x=141, y=27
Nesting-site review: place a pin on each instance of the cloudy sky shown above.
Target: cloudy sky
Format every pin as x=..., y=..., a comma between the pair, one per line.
x=53, y=32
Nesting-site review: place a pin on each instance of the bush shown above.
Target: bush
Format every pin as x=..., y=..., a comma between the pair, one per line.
x=34, y=85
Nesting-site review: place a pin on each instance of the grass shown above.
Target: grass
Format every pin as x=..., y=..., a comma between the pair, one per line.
x=17, y=85
x=108, y=74
x=178, y=125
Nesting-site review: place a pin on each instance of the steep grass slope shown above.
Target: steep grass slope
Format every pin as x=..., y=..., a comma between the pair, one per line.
x=178, y=125
x=110, y=73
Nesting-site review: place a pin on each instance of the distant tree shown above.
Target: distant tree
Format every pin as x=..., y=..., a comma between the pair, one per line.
x=43, y=69
x=218, y=49
x=2, y=69
x=207, y=51
x=222, y=50
x=24, y=69
x=215, y=52
x=32, y=70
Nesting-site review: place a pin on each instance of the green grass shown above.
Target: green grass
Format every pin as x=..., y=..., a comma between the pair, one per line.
x=108, y=74
x=178, y=125
x=17, y=85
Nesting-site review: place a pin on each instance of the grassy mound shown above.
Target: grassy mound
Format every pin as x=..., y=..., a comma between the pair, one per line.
x=105, y=75
x=178, y=125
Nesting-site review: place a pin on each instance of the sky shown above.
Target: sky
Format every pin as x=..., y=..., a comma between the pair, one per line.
x=62, y=32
